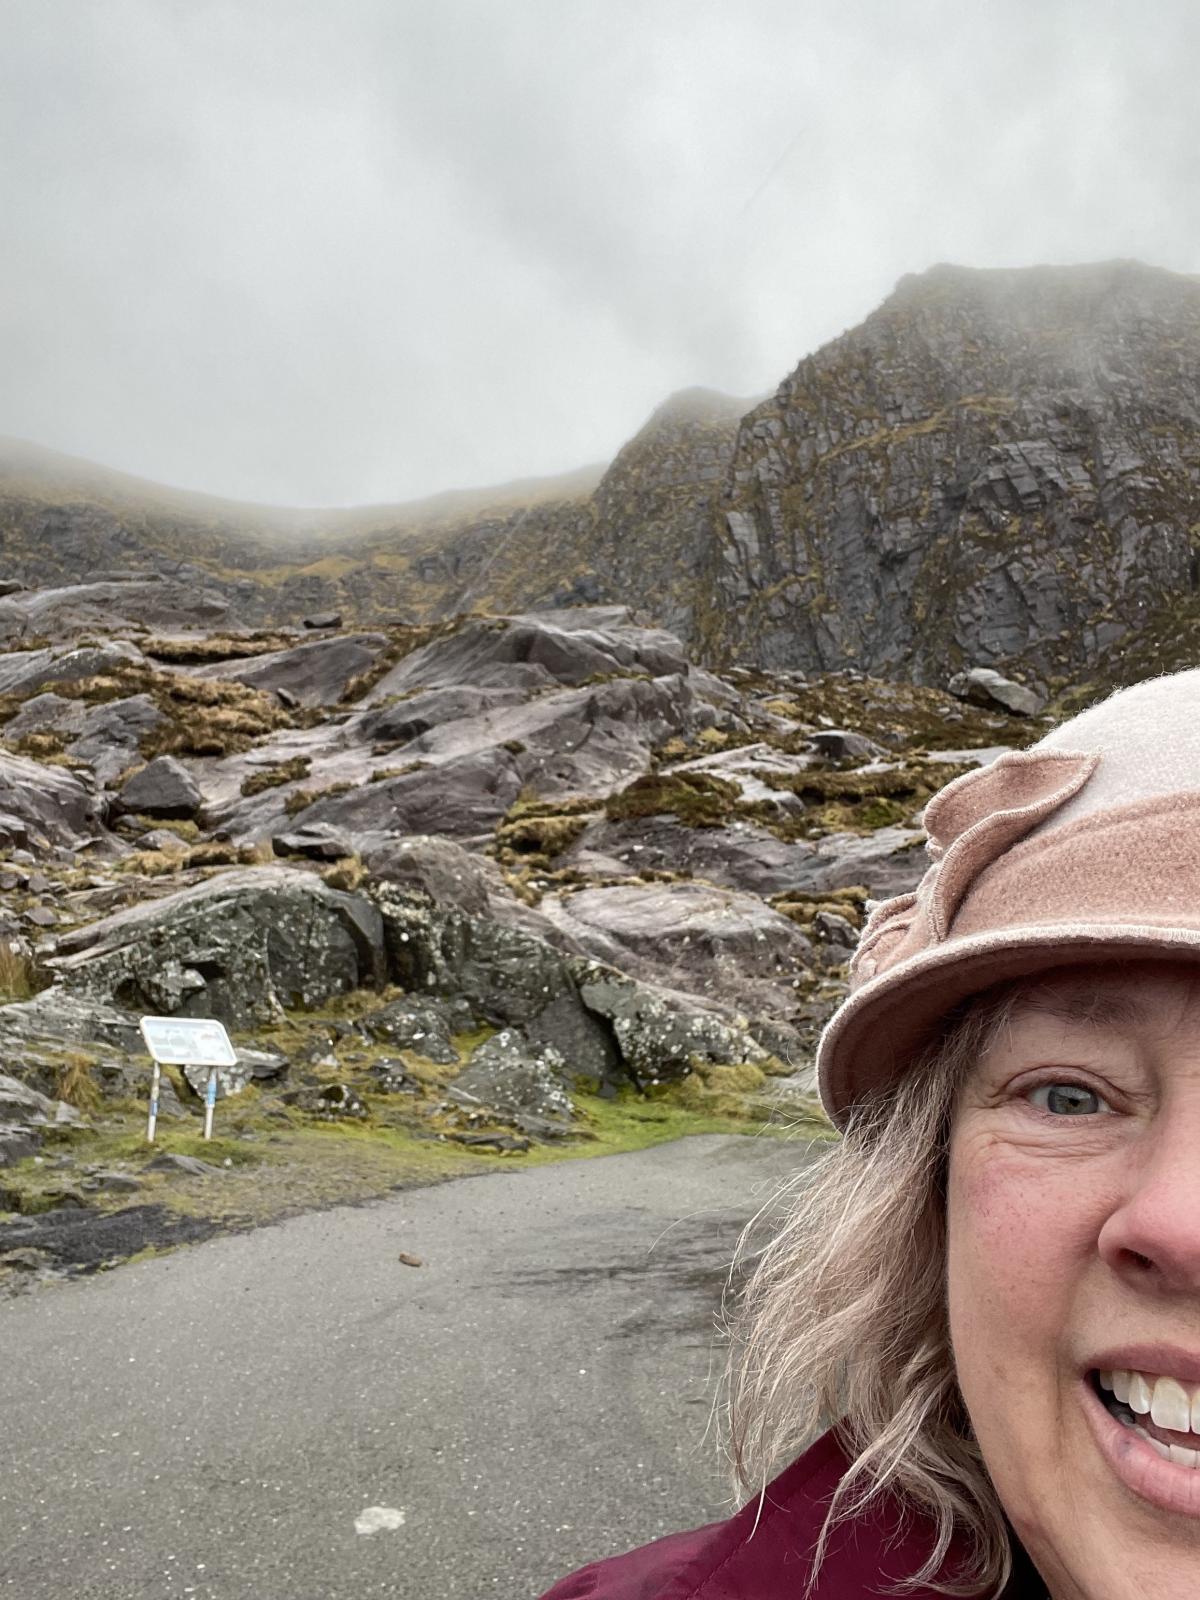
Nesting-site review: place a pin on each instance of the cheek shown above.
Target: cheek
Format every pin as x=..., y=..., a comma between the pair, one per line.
x=1020, y=1235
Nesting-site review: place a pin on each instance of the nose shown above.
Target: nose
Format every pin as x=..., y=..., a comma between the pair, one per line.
x=1152, y=1237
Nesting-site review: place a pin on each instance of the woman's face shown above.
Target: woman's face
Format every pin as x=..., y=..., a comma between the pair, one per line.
x=1074, y=1272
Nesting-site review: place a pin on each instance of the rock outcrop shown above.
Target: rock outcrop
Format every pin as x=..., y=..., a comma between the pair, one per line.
x=996, y=468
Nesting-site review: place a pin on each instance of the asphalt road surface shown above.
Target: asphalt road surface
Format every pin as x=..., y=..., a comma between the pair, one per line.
x=220, y=1422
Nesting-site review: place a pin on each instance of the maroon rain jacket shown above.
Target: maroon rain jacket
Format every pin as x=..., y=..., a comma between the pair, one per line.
x=737, y=1560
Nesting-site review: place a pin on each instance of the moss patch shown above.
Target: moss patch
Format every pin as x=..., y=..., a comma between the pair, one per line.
x=274, y=777
x=696, y=799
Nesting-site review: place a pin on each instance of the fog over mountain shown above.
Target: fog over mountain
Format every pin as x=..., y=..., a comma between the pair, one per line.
x=313, y=254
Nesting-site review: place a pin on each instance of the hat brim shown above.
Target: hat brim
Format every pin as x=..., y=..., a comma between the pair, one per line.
x=876, y=1034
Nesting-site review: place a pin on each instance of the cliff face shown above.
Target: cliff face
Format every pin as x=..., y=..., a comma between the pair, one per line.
x=656, y=506
x=996, y=466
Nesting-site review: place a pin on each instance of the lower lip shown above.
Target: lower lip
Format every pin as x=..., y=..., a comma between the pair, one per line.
x=1138, y=1465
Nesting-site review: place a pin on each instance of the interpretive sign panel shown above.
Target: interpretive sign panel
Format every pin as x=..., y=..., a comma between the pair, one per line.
x=188, y=1042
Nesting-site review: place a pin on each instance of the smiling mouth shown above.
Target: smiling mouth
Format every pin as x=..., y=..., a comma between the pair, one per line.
x=1161, y=1410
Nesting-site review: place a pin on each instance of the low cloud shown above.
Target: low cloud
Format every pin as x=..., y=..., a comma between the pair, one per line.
x=327, y=253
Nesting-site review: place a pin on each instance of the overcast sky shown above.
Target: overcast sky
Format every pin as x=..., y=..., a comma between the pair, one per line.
x=334, y=251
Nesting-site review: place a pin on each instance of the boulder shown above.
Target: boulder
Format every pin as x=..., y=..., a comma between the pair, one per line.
x=21, y=1106
x=314, y=673
x=439, y=869
x=506, y=974
x=110, y=735
x=323, y=619
x=316, y=841
x=17, y=1143
x=984, y=687
x=190, y=1166
x=536, y=650
x=24, y=672
x=834, y=929
x=44, y=806
x=423, y=1026
x=462, y=798
x=106, y=736
x=115, y=602
x=241, y=947
x=331, y=1102
x=230, y=1080
x=660, y=1034
x=690, y=937
x=57, y=1020
x=392, y=1077
x=112, y=1181
x=163, y=788
x=887, y=862
x=416, y=714
x=740, y=855
x=261, y=1064
x=511, y=1075
x=838, y=744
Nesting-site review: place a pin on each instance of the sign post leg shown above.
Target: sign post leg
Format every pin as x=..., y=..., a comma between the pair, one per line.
x=150, y=1126
x=210, y=1100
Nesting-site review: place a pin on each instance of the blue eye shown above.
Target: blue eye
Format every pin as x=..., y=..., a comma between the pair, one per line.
x=1067, y=1099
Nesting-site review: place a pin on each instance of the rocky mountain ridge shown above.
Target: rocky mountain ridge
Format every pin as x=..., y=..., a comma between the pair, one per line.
x=995, y=468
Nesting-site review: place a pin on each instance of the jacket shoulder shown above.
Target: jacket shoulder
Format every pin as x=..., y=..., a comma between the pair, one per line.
x=750, y=1556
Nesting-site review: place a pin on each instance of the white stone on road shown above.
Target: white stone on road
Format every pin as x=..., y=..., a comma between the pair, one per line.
x=378, y=1519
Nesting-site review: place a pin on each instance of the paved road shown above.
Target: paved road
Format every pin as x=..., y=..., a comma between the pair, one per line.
x=212, y=1423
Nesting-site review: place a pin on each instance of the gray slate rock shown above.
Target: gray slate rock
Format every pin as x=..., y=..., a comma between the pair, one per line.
x=111, y=1182
x=21, y=1106
x=438, y=869
x=417, y=713
x=163, y=788
x=17, y=1143
x=230, y=1080
x=241, y=947
x=691, y=937
x=837, y=743
x=44, y=806
x=504, y=974
x=659, y=1034
x=422, y=1026
x=315, y=841
x=835, y=930
x=190, y=1166
x=984, y=687
x=331, y=1102
x=314, y=673
x=511, y=1075
x=536, y=650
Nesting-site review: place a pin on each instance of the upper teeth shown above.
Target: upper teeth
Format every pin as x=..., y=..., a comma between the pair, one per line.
x=1170, y=1404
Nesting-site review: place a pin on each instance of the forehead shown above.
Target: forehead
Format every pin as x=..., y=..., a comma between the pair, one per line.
x=1126, y=996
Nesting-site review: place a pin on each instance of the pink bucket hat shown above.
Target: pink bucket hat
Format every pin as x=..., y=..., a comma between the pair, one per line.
x=1084, y=847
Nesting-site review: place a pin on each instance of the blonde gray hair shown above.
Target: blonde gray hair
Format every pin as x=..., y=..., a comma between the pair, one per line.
x=843, y=1321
